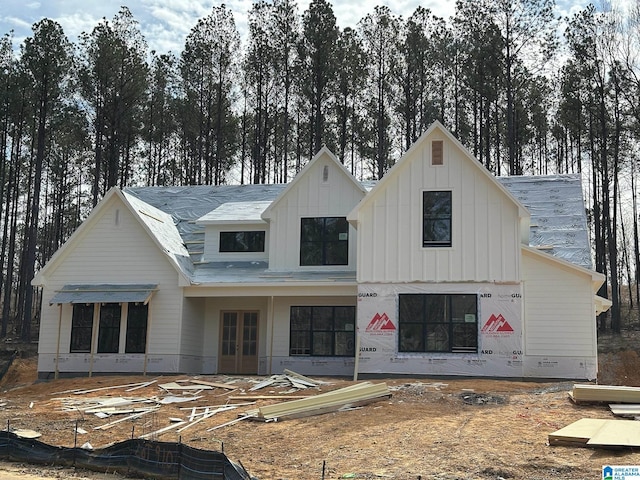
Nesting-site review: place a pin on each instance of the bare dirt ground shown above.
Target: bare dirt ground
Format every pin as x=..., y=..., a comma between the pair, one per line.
x=431, y=428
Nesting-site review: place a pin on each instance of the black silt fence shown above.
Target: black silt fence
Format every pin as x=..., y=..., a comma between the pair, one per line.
x=141, y=458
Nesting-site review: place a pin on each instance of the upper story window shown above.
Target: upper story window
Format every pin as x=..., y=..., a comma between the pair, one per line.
x=324, y=241
x=251, y=241
x=436, y=224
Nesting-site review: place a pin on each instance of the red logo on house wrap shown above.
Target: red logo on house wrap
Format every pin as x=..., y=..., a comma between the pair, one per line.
x=497, y=324
x=380, y=323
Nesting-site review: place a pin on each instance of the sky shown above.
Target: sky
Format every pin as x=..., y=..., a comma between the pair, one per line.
x=166, y=23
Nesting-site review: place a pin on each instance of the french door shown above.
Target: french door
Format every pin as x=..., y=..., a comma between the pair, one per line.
x=239, y=342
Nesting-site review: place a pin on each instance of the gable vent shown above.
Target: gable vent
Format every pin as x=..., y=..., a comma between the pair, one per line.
x=437, y=152
x=325, y=173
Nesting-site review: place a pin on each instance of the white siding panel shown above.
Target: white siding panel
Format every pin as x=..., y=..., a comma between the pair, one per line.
x=485, y=224
x=559, y=311
x=116, y=252
x=193, y=318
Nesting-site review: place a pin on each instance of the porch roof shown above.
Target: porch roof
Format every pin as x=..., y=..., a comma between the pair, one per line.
x=104, y=293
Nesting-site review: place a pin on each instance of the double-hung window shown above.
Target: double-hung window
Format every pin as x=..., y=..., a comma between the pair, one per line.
x=323, y=331
x=438, y=323
x=324, y=241
x=436, y=224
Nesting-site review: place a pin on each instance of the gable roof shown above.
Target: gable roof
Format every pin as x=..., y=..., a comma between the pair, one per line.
x=235, y=213
x=186, y=204
x=393, y=171
x=161, y=229
x=558, y=215
x=158, y=225
x=323, y=151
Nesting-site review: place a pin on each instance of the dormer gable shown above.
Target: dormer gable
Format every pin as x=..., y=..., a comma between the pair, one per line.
x=316, y=203
x=323, y=170
x=235, y=231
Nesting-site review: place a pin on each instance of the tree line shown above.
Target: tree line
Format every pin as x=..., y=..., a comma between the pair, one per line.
x=527, y=92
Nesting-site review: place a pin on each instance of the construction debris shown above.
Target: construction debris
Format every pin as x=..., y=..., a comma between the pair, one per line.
x=352, y=396
x=604, y=393
x=594, y=432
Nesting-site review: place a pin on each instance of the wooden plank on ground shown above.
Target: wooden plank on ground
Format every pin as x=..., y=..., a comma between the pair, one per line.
x=625, y=409
x=291, y=373
x=162, y=430
x=176, y=386
x=267, y=397
x=348, y=395
x=577, y=433
x=605, y=393
x=215, y=384
x=617, y=433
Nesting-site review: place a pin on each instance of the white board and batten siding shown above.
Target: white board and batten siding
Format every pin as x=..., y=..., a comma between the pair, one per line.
x=485, y=227
x=115, y=249
x=560, y=328
x=325, y=190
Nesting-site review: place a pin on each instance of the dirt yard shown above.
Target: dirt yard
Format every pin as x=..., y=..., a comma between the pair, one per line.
x=431, y=428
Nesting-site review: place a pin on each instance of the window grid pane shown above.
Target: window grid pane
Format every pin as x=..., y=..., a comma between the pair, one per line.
x=322, y=331
x=324, y=241
x=438, y=323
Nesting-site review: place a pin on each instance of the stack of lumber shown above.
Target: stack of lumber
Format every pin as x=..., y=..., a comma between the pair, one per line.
x=352, y=396
x=605, y=393
x=598, y=433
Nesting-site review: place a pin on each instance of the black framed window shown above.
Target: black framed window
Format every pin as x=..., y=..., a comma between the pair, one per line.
x=323, y=331
x=438, y=323
x=136, y=340
x=324, y=241
x=81, y=327
x=250, y=241
x=109, y=331
x=436, y=225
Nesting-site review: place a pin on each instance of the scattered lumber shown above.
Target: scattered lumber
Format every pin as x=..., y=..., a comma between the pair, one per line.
x=604, y=393
x=595, y=432
x=288, y=379
x=352, y=396
x=578, y=433
x=214, y=384
x=177, y=386
x=266, y=397
x=630, y=410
